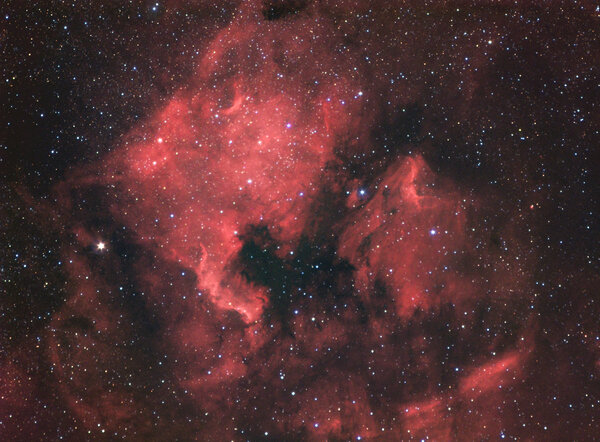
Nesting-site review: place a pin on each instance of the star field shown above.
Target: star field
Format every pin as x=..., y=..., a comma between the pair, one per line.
x=299, y=220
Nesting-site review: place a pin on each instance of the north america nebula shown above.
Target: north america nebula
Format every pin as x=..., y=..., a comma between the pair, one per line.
x=299, y=220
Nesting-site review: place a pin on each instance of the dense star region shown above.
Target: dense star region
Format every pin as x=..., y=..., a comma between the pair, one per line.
x=299, y=220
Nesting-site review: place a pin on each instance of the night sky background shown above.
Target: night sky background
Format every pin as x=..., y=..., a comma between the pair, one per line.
x=299, y=220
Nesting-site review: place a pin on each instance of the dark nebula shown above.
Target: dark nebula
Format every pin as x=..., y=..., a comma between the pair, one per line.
x=299, y=220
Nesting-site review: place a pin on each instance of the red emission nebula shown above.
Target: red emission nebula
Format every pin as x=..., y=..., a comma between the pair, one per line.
x=277, y=252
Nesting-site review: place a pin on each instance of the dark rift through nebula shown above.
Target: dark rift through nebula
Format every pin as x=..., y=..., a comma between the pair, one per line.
x=323, y=232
